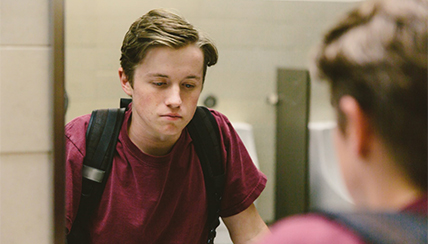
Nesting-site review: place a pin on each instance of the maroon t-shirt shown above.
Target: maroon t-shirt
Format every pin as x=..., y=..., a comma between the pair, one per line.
x=317, y=229
x=159, y=199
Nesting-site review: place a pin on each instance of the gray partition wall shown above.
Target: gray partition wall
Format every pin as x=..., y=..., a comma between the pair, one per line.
x=292, y=183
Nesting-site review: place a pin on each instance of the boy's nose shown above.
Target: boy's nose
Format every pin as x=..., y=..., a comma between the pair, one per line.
x=174, y=97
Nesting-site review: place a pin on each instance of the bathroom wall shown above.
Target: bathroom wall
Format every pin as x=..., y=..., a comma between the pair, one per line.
x=25, y=122
x=254, y=39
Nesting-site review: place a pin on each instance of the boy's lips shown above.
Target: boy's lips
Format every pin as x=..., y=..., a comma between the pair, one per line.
x=172, y=115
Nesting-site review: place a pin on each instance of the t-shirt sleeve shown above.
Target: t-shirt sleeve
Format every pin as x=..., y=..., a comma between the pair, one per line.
x=75, y=143
x=244, y=182
x=309, y=228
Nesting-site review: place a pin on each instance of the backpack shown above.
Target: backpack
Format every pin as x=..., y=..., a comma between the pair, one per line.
x=384, y=227
x=101, y=139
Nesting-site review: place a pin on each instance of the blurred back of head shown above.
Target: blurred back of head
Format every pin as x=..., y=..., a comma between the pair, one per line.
x=378, y=55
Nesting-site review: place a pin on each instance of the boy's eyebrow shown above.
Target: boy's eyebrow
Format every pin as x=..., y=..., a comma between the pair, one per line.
x=193, y=77
x=158, y=75
x=166, y=76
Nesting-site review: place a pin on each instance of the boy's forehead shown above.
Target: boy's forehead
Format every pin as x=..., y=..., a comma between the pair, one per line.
x=160, y=61
x=167, y=51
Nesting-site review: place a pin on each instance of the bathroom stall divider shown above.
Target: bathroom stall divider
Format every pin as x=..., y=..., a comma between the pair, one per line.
x=292, y=139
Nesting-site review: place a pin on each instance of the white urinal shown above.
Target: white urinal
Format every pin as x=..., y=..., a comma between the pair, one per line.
x=327, y=188
x=245, y=132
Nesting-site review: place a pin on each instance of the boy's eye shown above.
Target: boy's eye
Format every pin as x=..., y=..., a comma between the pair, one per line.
x=159, y=83
x=189, y=85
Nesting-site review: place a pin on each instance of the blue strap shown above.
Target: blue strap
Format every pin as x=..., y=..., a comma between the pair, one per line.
x=384, y=227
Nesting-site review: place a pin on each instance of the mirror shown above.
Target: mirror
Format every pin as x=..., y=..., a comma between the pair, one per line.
x=254, y=39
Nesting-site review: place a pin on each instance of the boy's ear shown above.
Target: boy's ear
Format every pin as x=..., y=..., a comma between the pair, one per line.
x=126, y=85
x=358, y=128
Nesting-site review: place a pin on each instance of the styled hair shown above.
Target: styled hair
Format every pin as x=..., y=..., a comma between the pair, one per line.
x=157, y=28
x=378, y=55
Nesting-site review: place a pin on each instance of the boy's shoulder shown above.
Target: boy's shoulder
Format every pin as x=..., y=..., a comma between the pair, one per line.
x=310, y=228
x=75, y=130
x=78, y=123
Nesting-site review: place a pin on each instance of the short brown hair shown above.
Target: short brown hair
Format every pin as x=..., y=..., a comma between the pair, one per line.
x=378, y=55
x=161, y=27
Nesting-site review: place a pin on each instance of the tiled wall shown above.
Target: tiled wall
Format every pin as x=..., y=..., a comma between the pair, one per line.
x=254, y=38
x=25, y=122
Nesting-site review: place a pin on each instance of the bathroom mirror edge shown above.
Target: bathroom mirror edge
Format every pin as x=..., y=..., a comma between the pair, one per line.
x=58, y=64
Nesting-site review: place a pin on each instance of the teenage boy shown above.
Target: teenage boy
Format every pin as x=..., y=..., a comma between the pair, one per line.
x=155, y=192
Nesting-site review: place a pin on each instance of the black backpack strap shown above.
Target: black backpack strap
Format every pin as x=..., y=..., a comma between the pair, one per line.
x=101, y=139
x=384, y=227
x=205, y=134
